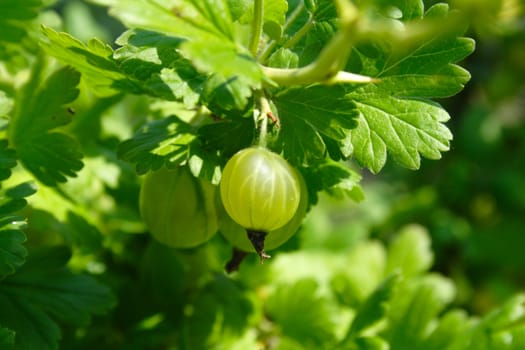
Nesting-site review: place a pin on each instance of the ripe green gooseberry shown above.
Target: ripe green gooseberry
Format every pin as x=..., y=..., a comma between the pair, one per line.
x=178, y=208
x=261, y=192
x=236, y=235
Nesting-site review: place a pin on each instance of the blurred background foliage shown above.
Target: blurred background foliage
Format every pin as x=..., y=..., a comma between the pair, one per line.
x=473, y=200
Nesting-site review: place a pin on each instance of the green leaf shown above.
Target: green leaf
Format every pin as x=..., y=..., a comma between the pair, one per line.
x=214, y=14
x=410, y=252
x=44, y=291
x=169, y=141
x=151, y=57
x=301, y=314
x=286, y=343
x=7, y=159
x=367, y=343
x=274, y=17
x=209, y=56
x=395, y=115
x=315, y=40
x=506, y=315
x=220, y=316
x=6, y=104
x=502, y=328
x=15, y=17
x=300, y=142
x=410, y=9
x=274, y=11
x=85, y=237
x=425, y=69
x=284, y=58
x=159, y=16
x=158, y=143
x=7, y=339
x=452, y=326
x=12, y=252
x=322, y=10
x=218, y=136
x=223, y=95
x=93, y=60
x=414, y=307
x=147, y=63
x=34, y=329
x=41, y=108
x=162, y=270
x=308, y=113
x=374, y=309
x=207, y=31
x=334, y=178
x=363, y=271
x=238, y=8
x=405, y=127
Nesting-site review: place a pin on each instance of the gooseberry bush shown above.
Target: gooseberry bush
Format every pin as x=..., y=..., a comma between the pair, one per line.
x=135, y=170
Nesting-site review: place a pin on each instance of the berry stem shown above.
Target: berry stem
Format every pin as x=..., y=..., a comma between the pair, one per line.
x=236, y=260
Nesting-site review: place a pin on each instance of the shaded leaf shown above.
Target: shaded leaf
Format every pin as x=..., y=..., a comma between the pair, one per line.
x=218, y=136
x=44, y=291
x=333, y=178
x=223, y=95
x=306, y=113
x=41, y=108
x=7, y=159
x=219, y=318
x=15, y=16
x=7, y=339
x=169, y=141
x=12, y=252
x=157, y=143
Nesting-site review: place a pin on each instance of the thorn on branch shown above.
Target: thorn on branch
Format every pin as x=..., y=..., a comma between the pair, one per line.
x=274, y=119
